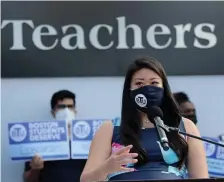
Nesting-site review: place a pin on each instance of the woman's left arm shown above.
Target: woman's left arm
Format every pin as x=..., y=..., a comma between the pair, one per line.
x=197, y=165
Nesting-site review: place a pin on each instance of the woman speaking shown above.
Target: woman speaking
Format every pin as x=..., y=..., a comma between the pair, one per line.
x=132, y=151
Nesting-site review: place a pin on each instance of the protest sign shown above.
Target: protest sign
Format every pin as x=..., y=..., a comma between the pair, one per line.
x=82, y=135
x=215, y=158
x=47, y=139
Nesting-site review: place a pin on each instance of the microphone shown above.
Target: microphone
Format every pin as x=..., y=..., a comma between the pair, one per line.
x=155, y=114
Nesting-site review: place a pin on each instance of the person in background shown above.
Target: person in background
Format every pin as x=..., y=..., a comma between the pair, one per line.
x=186, y=107
x=63, y=107
x=131, y=151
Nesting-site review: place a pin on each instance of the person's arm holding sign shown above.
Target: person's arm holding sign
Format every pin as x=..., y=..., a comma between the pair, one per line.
x=33, y=168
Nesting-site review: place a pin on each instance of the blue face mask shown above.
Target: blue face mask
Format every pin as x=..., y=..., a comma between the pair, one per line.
x=147, y=96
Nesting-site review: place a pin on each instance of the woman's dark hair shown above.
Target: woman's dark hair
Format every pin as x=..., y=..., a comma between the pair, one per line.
x=130, y=119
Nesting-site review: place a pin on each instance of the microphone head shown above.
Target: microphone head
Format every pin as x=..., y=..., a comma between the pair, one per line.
x=153, y=112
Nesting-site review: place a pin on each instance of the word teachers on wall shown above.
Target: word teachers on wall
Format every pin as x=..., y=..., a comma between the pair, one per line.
x=202, y=31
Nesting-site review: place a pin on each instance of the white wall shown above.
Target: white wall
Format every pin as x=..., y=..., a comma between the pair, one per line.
x=29, y=99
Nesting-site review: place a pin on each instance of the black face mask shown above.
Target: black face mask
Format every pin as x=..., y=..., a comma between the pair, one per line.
x=147, y=96
x=192, y=117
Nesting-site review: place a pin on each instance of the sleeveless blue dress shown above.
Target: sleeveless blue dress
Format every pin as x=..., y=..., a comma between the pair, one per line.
x=161, y=164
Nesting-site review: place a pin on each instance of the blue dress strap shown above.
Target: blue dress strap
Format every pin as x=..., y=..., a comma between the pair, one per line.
x=116, y=135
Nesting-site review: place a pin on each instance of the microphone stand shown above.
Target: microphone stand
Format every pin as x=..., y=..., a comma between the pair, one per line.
x=172, y=129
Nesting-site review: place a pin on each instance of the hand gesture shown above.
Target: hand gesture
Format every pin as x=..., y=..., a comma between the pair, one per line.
x=37, y=163
x=118, y=160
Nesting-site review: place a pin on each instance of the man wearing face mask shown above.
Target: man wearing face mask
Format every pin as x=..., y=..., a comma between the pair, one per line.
x=186, y=107
x=63, y=107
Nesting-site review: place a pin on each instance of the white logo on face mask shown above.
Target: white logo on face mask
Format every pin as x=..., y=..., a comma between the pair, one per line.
x=65, y=114
x=141, y=100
